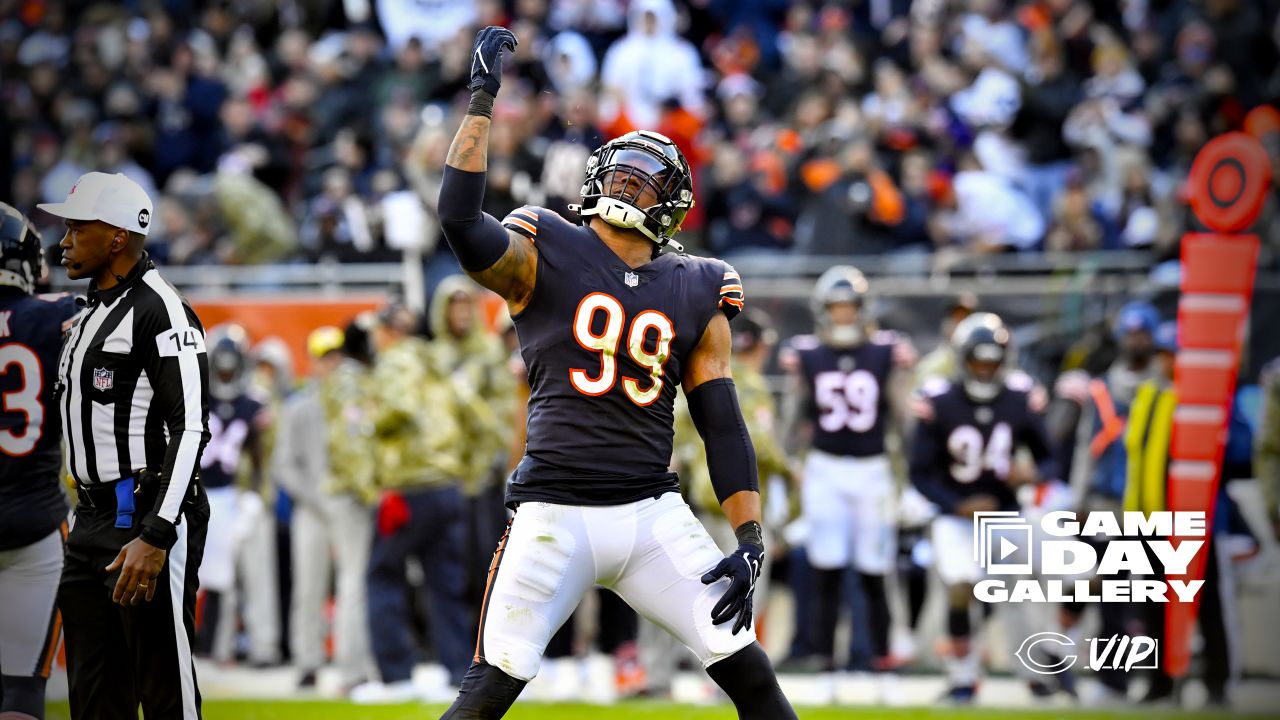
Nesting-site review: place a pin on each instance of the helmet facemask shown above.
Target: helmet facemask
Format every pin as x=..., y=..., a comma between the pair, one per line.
x=983, y=371
x=842, y=285
x=981, y=342
x=639, y=181
x=228, y=362
x=838, y=331
x=21, y=252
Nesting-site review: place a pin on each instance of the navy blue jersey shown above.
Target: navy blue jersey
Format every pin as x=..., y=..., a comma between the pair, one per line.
x=231, y=424
x=32, y=505
x=605, y=346
x=847, y=397
x=964, y=448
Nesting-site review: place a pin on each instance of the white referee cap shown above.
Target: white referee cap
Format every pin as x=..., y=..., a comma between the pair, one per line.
x=114, y=199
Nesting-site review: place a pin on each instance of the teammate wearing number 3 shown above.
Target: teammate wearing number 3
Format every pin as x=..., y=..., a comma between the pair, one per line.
x=609, y=326
x=33, y=508
x=851, y=386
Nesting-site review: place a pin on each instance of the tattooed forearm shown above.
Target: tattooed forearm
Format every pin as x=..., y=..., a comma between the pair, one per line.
x=513, y=276
x=470, y=148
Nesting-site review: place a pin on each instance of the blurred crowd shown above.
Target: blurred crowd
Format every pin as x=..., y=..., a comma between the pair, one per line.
x=311, y=129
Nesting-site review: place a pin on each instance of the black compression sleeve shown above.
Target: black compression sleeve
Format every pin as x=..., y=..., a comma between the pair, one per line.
x=477, y=239
x=731, y=459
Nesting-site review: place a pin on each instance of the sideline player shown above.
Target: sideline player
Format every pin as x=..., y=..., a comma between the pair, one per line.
x=962, y=460
x=33, y=509
x=608, y=326
x=853, y=386
x=236, y=421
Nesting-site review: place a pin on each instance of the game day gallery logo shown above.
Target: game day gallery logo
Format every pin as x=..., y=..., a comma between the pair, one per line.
x=1106, y=558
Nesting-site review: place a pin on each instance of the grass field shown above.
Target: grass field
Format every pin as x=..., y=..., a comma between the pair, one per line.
x=262, y=710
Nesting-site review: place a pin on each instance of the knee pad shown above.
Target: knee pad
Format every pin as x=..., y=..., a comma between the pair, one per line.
x=23, y=695
x=486, y=694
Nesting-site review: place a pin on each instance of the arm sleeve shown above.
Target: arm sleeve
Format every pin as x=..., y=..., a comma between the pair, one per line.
x=924, y=464
x=178, y=377
x=475, y=236
x=731, y=459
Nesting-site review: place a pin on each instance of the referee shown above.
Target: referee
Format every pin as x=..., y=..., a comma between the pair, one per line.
x=134, y=401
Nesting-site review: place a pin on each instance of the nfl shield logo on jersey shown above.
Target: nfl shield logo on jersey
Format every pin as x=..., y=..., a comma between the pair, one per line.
x=631, y=279
x=103, y=378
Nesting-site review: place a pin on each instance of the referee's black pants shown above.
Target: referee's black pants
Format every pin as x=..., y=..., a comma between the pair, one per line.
x=119, y=657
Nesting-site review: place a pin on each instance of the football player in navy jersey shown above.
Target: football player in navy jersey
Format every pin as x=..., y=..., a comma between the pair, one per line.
x=609, y=325
x=962, y=460
x=235, y=421
x=851, y=386
x=33, y=508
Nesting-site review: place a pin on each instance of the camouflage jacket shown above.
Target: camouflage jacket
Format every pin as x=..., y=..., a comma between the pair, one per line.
x=347, y=399
x=761, y=415
x=418, y=421
x=477, y=364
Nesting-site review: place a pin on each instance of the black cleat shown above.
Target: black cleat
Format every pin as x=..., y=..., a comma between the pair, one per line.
x=1040, y=689
x=960, y=695
x=307, y=681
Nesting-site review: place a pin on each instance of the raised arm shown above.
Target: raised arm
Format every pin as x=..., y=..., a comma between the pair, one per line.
x=499, y=259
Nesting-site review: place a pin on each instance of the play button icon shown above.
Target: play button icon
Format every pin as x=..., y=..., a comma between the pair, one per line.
x=1003, y=544
x=1007, y=547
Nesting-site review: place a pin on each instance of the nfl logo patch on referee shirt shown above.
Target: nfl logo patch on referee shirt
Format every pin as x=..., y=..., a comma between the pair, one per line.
x=103, y=378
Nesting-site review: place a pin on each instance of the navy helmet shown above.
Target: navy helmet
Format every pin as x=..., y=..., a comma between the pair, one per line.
x=20, y=250
x=981, y=337
x=619, y=172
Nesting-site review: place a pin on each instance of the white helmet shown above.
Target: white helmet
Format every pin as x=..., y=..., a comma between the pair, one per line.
x=981, y=336
x=840, y=284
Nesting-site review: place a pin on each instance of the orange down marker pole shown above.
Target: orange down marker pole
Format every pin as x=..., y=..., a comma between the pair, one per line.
x=1226, y=188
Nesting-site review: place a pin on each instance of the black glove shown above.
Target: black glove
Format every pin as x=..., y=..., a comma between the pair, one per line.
x=743, y=569
x=486, y=58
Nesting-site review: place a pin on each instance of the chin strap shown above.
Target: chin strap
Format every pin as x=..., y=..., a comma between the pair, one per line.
x=626, y=223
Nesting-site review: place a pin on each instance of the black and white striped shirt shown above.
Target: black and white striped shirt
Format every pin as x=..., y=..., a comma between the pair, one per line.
x=134, y=392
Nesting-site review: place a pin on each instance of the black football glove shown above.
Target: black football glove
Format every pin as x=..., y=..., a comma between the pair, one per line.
x=486, y=58
x=743, y=569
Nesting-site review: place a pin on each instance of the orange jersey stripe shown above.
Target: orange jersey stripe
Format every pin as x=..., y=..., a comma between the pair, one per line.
x=488, y=590
x=517, y=221
x=51, y=648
